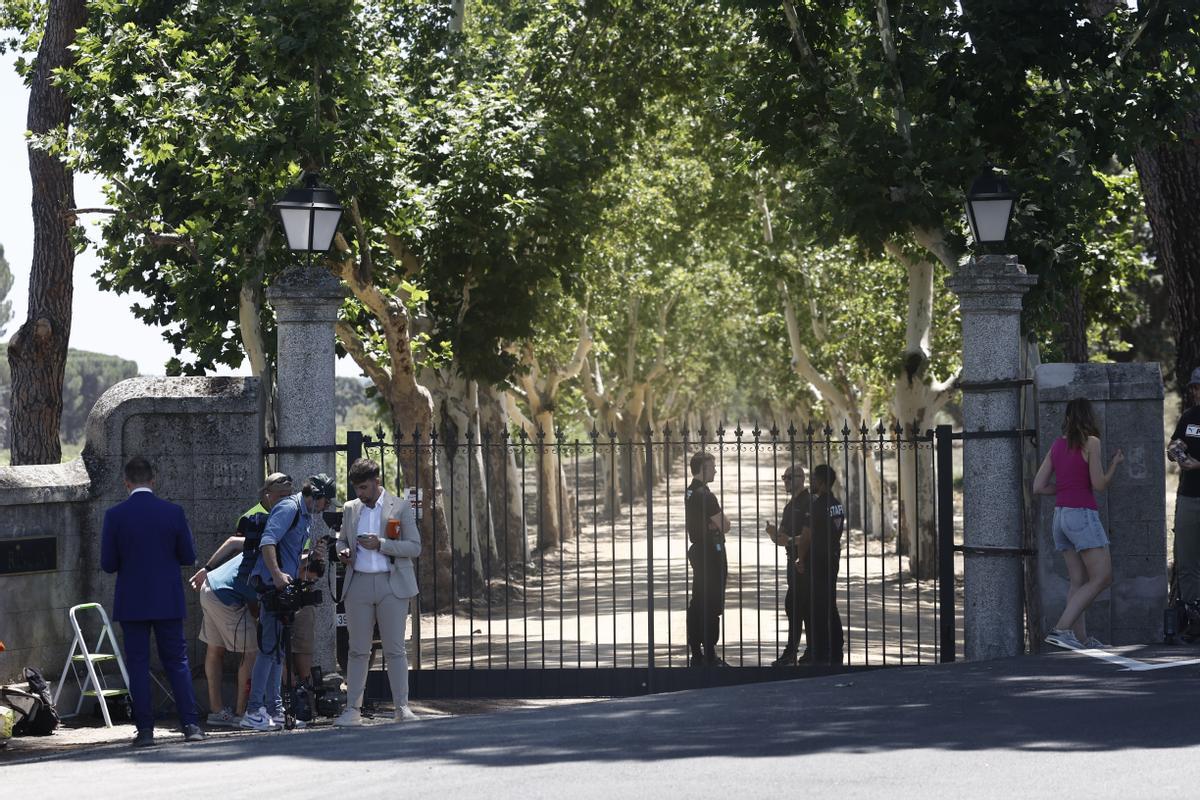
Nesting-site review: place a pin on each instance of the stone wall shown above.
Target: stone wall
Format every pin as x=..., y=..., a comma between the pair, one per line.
x=203, y=436
x=1128, y=400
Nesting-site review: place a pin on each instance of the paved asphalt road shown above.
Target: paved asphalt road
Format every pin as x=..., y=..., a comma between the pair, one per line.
x=1058, y=725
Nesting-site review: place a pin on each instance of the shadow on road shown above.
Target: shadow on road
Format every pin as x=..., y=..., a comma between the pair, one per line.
x=1059, y=702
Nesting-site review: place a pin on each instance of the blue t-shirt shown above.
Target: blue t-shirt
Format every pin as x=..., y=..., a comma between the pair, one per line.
x=225, y=584
x=288, y=539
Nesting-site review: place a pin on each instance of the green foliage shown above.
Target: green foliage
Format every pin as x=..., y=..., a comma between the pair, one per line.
x=466, y=157
x=884, y=148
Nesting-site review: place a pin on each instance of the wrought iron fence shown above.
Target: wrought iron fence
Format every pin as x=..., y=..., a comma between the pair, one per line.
x=605, y=581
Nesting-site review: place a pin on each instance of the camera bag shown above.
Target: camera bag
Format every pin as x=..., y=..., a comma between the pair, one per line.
x=34, y=710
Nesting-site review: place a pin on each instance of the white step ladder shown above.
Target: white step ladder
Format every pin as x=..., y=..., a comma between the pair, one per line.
x=94, y=684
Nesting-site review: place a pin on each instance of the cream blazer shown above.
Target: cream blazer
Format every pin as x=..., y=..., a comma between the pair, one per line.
x=401, y=575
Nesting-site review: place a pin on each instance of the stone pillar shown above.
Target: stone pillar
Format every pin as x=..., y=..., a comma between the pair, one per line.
x=1128, y=401
x=306, y=302
x=990, y=290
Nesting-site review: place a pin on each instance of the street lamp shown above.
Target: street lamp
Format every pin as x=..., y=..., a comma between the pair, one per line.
x=990, y=205
x=310, y=215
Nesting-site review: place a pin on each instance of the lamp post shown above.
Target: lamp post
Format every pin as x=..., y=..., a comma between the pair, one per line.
x=306, y=303
x=310, y=215
x=990, y=204
x=990, y=291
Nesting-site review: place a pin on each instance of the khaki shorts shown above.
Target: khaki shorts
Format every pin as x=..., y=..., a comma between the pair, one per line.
x=231, y=627
x=304, y=631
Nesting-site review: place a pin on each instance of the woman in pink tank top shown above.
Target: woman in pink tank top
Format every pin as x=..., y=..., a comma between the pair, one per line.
x=1072, y=472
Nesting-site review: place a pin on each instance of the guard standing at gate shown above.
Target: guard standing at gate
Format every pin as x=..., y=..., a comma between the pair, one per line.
x=706, y=528
x=820, y=550
x=792, y=522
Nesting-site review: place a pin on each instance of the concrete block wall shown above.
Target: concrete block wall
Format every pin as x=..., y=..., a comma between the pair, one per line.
x=1128, y=400
x=204, y=438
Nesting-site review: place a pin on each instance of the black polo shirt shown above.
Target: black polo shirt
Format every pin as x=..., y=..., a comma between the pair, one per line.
x=828, y=522
x=700, y=505
x=795, y=518
x=1188, y=432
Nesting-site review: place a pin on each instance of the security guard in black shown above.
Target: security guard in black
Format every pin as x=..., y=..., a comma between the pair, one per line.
x=706, y=528
x=820, y=561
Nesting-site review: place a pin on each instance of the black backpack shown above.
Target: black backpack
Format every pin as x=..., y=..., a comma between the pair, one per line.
x=252, y=528
x=35, y=711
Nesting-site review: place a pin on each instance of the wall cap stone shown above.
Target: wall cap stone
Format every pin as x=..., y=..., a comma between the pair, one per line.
x=301, y=284
x=144, y=395
x=45, y=483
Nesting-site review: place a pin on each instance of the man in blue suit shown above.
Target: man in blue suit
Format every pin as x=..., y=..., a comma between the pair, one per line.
x=145, y=541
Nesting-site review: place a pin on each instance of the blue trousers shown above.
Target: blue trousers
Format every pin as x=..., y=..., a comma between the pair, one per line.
x=172, y=651
x=268, y=667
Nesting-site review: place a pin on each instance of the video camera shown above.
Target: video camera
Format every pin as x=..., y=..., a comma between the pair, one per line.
x=291, y=598
x=332, y=519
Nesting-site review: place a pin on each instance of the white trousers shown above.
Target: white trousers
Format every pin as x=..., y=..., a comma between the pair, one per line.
x=370, y=601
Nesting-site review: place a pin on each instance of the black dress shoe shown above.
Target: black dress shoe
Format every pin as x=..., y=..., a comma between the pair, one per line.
x=715, y=661
x=144, y=739
x=786, y=659
x=697, y=661
x=192, y=733
x=805, y=659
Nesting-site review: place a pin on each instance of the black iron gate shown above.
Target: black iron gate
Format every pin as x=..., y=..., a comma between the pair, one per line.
x=601, y=612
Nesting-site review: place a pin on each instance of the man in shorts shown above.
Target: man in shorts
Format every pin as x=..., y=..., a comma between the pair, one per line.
x=229, y=607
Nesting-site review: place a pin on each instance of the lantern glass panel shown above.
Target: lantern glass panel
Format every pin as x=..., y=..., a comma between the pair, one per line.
x=296, y=220
x=989, y=219
x=326, y=222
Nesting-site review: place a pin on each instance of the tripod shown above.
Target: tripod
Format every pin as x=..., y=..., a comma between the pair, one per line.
x=286, y=619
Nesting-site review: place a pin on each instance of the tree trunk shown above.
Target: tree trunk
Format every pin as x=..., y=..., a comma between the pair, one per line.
x=556, y=501
x=412, y=413
x=916, y=402
x=631, y=464
x=37, y=354
x=608, y=477
x=460, y=468
x=1170, y=179
x=504, y=481
x=1074, y=328
x=250, y=300
x=916, y=405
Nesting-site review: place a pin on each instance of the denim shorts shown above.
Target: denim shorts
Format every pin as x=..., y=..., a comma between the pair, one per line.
x=1078, y=529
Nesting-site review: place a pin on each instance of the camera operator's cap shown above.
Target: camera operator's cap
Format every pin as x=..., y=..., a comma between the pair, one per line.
x=277, y=480
x=322, y=486
x=1195, y=377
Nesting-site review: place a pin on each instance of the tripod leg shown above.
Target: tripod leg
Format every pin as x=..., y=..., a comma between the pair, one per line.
x=289, y=711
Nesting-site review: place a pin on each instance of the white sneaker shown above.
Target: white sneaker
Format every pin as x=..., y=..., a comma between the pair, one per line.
x=350, y=718
x=258, y=720
x=404, y=714
x=225, y=718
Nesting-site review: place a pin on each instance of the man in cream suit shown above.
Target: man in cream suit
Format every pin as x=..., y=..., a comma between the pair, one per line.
x=377, y=543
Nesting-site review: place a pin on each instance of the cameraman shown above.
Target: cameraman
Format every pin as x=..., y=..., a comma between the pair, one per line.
x=377, y=542
x=280, y=549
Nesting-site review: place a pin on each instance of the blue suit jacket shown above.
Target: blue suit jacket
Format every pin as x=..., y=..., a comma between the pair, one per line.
x=145, y=541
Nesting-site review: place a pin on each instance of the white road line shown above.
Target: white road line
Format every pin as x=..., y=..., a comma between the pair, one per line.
x=1132, y=664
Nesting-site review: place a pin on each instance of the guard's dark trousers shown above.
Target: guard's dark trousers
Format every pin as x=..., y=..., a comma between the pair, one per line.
x=824, y=623
x=709, y=571
x=795, y=603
